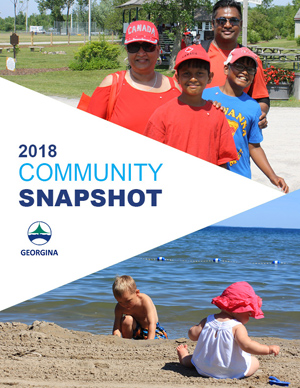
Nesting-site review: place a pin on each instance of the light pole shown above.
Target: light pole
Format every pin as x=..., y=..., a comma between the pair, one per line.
x=89, y=20
x=245, y=22
x=245, y=18
x=26, y=15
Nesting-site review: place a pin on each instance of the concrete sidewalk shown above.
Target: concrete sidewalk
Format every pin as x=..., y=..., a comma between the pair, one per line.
x=281, y=142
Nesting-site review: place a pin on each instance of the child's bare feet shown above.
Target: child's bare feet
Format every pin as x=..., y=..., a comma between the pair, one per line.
x=182, y=351
x=183, y=355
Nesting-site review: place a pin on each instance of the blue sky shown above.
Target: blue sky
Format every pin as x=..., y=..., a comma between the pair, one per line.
x=283, y=212
x=7, y=9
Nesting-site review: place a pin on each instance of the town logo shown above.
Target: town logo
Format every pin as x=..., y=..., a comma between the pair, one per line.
x=39, y=233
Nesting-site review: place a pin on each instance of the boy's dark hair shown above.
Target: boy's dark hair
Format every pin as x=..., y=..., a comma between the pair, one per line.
x=226, y=3
x=195, y=63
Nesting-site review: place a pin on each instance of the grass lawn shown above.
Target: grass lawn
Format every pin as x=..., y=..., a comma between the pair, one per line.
x=25, y=37
x=37, y=60
x=62, y=83
x=72, y=83
x=59, y=83
x=278, y=43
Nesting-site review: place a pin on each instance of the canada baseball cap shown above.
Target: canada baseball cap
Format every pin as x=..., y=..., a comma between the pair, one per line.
x=240, y=52
x=191, y=52
x=141, y=31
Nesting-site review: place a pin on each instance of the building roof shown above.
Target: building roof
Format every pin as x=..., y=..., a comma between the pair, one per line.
x=202, y=15
x=297, y=16
x=132, y=4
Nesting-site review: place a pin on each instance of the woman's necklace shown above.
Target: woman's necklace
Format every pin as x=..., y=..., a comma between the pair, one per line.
x=137, y=87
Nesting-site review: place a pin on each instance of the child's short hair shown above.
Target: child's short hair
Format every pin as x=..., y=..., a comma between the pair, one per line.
x=122, y=284
x=195, y=63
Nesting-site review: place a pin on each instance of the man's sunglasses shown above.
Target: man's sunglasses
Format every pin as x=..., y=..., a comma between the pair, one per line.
x=232, y=21
x=241, y=67
x=135, y=47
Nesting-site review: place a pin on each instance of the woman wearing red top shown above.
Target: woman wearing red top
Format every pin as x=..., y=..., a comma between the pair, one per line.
x=143, y=89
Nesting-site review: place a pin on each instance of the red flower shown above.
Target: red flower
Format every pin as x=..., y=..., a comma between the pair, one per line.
x=276, y=76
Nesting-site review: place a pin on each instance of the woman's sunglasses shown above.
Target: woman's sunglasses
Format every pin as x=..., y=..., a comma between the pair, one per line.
x=232, y=21
x=135, y=47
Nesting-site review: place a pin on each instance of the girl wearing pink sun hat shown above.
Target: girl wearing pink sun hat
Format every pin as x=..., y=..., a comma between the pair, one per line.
x=240, y=298
x=224, y=349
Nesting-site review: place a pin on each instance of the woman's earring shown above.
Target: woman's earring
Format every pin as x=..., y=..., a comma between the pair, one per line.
x=159, y=61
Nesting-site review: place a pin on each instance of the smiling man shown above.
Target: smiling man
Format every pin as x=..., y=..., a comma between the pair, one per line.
x=227, y=25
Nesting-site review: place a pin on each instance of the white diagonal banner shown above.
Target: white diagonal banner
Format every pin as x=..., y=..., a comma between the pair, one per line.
x=105, y=193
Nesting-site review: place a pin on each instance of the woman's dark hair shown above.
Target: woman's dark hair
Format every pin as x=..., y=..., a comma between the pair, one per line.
x=195, y=63
x=226, y=3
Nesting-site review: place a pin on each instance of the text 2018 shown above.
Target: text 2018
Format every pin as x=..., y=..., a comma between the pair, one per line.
x=33, y=151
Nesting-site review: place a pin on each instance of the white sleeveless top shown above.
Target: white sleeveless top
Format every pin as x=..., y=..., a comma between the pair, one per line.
x=217, y=354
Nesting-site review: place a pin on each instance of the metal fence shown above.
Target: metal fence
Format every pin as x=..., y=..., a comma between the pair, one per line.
x=74, y=28
x=77, y=28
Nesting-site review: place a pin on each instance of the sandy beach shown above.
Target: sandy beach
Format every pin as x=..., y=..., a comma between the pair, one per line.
x=46, y=355
x=279, y=144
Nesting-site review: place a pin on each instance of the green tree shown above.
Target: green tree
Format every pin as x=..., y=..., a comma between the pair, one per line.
x=180, y=13
x=100, y=12
x=258, y=22
x=55, y=6
x=40, y=20
x=270, y=21
x=283, y=20
x=18, y=7
x=20, y=20
x=80, y=12
x=288, y=15
x=114, y=19
x=8, y=24
x=68, y=4
x=266, y=4
x=296, y=4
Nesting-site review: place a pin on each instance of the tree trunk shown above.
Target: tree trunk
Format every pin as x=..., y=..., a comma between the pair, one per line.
x=15, y=12
x=68, y=11
x=176, y=49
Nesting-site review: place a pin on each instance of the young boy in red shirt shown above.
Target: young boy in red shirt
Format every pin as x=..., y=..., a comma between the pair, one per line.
x=190, y=123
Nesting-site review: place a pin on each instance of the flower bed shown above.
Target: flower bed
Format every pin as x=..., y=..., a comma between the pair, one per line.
x=276, y=76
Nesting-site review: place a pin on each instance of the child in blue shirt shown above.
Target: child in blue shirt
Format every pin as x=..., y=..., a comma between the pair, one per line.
x=242, y=113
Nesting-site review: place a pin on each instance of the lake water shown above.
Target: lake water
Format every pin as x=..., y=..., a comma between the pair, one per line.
x=183, y=285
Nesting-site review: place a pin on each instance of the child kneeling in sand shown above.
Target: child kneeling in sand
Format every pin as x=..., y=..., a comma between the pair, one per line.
x=224, y=349
x=135, y=313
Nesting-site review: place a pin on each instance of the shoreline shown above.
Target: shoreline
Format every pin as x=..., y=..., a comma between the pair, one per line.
x=46, y=355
